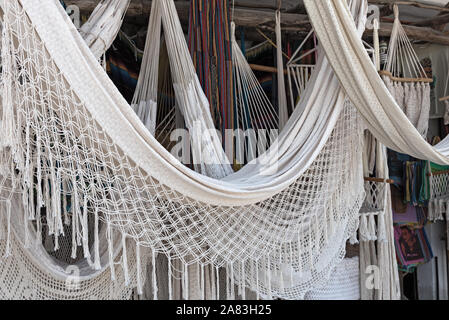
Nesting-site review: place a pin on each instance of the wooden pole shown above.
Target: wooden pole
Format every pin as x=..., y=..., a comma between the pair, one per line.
x=290, y=21
x=389, y=181
x=258, y=67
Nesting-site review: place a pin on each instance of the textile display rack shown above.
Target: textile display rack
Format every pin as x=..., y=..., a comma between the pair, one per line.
x=406, y=78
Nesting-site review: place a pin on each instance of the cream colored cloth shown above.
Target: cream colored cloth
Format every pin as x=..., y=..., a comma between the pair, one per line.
x=336, y=31
x=299, y=143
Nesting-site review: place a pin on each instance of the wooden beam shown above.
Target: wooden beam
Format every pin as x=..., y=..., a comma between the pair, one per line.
x=417, y=33
x=433, y=22
x=395, y=79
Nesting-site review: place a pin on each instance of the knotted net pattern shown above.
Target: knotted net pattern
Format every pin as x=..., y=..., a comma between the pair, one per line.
x=280, y=247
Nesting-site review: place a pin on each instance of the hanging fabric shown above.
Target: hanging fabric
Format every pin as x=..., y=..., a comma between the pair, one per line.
x=406, y=79
x=382, y=114
x=52, y=266
x=103, y=25
x=343, y=285
x=136, y=181
x=282, y=96
x=145, y=96
x=255, y=117
x=379, y=275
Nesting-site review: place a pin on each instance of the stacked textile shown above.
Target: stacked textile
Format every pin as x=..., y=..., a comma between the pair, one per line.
x=416, y=183
x=412, y=247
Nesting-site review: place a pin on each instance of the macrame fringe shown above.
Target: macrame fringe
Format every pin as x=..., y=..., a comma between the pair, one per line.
x=139, y=271
x=153, y=260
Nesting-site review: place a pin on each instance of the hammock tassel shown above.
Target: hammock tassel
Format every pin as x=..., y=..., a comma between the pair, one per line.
x=25, y=199
x=8, y=230
x=217, y=279
x=85, y=230
x=281, y=279
x=7, y=124
x=125, y=260
x=372, y=227
x=110, y=251
x=170, y=280
x=257, y=281
x=64, y=204
x=186, y=282
x=269, y=276
x=301, y=262
x=97, y=263
x=202, y=287
x=381, y=228
x=74, y=246
x=39, y=201
x=153, y=260
x=242, y=282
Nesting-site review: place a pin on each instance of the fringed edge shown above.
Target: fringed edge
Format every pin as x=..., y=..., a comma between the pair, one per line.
x=8, y=230
x=154, y=276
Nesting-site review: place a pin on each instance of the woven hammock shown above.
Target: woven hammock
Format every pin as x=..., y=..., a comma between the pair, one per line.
x=255, y=117
x=45, y=268
x=343, y=285
x=406, y=79
x=279, y=233
x=103, y=25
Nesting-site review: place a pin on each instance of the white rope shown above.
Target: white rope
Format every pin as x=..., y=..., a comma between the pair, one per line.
x=310, y=181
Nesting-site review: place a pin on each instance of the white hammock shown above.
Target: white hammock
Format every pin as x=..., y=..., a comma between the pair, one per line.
x=383, y=117
x=207, y=152
x=103, y=25
x=40, y=272
x=279, y=233
x=406, y=78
